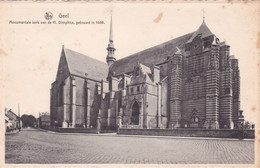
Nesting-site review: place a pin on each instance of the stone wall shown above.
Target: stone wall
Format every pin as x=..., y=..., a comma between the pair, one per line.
x=223, y=133
x=56, y=90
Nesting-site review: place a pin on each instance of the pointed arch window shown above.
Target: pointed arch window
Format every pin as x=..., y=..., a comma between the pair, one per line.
x=194, y=118
x=135, y=114
x=61, y=94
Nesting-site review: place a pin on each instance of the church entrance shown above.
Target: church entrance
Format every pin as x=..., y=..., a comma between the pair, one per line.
x=194, y=118
x=135, y=114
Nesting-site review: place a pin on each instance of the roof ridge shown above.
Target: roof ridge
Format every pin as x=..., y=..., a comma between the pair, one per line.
x=153, y=55
x=155, y=46
x=82, y=55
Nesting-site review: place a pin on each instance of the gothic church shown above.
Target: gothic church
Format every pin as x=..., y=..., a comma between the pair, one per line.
x=189, y=81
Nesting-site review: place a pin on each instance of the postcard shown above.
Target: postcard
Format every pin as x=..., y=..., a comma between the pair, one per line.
x=129, y=84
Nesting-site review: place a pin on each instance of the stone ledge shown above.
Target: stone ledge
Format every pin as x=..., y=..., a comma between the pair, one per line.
x=190, y=132
x=78, y=130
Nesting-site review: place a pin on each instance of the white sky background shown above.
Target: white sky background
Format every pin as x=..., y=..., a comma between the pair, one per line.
x=31, y=52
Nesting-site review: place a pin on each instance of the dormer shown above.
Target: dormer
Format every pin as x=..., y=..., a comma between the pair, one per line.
x=141, y=74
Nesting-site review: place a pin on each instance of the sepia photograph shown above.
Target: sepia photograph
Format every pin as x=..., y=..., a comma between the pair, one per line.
x=129, y=84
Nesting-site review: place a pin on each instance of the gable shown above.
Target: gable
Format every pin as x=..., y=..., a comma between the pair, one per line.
x=203, y=31
x=63, y=71
x=141, y=74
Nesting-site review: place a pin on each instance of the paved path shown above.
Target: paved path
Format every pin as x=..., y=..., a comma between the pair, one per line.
x=34, y=146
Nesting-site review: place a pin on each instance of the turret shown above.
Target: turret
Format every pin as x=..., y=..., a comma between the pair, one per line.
x=175, y=83
x=110, y=49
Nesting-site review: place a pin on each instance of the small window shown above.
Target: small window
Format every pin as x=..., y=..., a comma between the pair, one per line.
x=138, y=89
x=132, y=90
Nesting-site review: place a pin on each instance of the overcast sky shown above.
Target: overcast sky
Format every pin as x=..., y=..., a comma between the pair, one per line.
x=31, y=52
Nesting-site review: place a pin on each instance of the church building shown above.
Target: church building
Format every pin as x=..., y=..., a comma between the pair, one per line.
x=190, y=81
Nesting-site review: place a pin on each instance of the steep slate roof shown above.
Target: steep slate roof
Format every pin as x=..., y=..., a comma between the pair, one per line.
x=155, y=55
x=203, y=30
x=81, y=65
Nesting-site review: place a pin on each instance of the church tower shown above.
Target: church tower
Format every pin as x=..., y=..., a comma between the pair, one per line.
x=110, y=49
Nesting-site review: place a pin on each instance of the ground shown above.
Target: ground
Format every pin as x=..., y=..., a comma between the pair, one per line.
x=35, y=146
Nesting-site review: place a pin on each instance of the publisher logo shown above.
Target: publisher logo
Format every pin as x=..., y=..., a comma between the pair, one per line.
x=48, y=15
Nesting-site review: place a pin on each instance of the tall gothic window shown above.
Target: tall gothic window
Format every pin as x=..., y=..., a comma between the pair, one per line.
x=135, y=114
x=60, y=101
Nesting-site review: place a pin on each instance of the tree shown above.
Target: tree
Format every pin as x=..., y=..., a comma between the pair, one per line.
x=28, y=120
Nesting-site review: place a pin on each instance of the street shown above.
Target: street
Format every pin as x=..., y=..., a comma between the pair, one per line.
x=35, y=146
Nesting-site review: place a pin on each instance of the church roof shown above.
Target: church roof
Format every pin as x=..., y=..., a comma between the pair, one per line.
x=84, y=66
x=203, y=30
x=152, y=56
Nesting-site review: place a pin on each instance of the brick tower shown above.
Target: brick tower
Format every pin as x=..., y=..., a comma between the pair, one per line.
x=212, y=88
x=175, y=91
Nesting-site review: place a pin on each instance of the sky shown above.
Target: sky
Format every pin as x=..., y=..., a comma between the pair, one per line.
x=31, y=52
